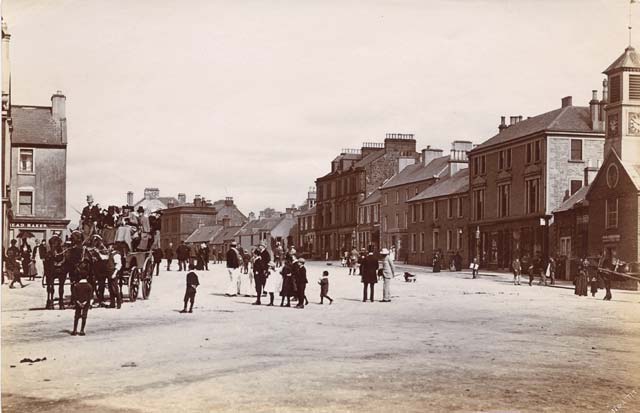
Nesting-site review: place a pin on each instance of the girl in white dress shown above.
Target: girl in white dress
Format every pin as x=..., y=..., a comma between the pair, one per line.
x=272, y=286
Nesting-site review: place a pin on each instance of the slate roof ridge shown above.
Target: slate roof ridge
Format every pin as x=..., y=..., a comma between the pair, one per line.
x=418, y=172
x=447, y=185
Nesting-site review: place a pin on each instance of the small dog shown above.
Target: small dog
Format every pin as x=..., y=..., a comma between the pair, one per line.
x=408, y=277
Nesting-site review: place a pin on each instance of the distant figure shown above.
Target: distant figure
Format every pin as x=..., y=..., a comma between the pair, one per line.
x=582, y=279
x=301, y=282
x=204, y=254
x=436, y=262
x=157, y=259
x=324, y=287
x=233, y=265
x=474, y=268
x=168, y=254
x=353, y=261
x=288, y=285
x=551, y=270
x=457, y=261
x=39, y=255
x=272, y=284
x=13, y=264
x=82, y=295
x=190, y=292
x=517, y=271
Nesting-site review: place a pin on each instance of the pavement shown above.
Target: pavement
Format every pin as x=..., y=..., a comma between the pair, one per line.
x=446, y=343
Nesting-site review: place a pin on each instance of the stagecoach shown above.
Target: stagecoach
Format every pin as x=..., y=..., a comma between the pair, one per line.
x=137, y=274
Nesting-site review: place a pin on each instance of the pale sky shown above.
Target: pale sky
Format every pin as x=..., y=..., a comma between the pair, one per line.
x=253, y=99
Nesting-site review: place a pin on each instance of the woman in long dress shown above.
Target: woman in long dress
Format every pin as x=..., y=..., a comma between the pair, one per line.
x=288, y=286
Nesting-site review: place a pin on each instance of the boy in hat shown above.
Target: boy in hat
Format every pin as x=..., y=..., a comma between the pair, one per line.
x=190, y=293
x=324, y=287
x=82, y=295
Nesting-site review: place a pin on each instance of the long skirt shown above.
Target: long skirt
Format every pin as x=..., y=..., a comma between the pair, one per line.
x=246, y=284
x=40, y=267
x=233, y=288
x=273, y=284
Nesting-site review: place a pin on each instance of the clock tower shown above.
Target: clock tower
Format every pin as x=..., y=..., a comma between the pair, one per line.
x=623, y=106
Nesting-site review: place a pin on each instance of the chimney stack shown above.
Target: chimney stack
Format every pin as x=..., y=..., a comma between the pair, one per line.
x=130, y=198
x=182, y=199
x=58, y=106
x=594, y=109
x=228, y=201
x=567, y=101
x=503, y=125
x=429, y=154
x=590, y=173
x=458, y=157
x=197, y=201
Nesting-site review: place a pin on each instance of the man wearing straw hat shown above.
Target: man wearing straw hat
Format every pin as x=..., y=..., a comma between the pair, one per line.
x=388, y=272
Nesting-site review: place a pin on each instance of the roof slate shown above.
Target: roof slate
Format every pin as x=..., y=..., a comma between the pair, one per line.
x=418, y=172
x=374, y=198
x=203, y=234
x=567, y=119
x=449, y=185
x=577, y=198
x=35, y=125
x=629, y=59
x=369, y=158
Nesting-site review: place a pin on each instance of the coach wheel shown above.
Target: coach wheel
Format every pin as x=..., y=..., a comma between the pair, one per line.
x=134, y=282
x=147, y=279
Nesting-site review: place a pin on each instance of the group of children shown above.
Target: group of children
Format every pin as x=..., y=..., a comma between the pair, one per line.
x=83, y=294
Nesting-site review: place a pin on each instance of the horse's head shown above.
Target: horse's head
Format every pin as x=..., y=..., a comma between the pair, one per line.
x=77, y=237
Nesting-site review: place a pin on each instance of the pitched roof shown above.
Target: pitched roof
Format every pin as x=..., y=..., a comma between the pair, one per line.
x=264, y=224
x=418, y=172
x=156, y=204
x=449, y=185
x=35, y=125
x=629, y=59
x=633, y=170
x=567, y=119
x=203, y=234
x=374, y=198
x=225, y=234
x=370, y=158
x=577, y=199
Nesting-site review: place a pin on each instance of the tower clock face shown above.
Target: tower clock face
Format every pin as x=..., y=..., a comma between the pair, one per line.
x=614, y=125
x=634, y=123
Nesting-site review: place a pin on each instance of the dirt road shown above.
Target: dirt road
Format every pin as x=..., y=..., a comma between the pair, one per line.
x=444, y=344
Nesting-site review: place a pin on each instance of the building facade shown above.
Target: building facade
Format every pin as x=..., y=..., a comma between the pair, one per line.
x=519, y=176
x=614, y=196
x=354, y=175
x=369, y=221
x=179, y=222
x=39, y=169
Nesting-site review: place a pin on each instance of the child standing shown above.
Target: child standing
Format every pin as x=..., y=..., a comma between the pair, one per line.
x=324, y=287
x=82, y=295
x=190, y=293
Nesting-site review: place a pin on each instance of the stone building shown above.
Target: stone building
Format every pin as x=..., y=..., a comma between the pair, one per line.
x=39, y=168
x=271, y=230
x=305, y=228
x=228, y=210
x=369, y=221
x=519, y=176
x=408, y=183
x=178, y=222
x=439, y=214
x=6, y=135
x=614, y=195
x=152, y=201
x=355, y=174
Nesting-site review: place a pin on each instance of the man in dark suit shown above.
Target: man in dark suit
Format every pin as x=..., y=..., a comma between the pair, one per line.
x=233, y=263
x=369, y=275
x=260, y=268
x=168, y=254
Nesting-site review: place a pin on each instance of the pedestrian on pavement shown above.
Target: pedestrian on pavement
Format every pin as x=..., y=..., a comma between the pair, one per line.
x=246, y=279
x=182, y=253
x=551, y=270
x=233, y=265
x=353, y=261
x=204, y=253
x=13, y=264
x=157, y=259
x=388, y=272
x=457, y=261
x=25, y=257
x=301, y=282
x=190, y=292
x=39, y=255
x=168, y=254
x=582, y=279
x=474, y=268
x=82, y=295
x=437, y=266
x=517, y=271
x=369, y=275
x=261, y=269
x=324, y=288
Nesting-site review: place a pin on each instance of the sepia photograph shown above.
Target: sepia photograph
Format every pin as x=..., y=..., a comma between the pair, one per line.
x=320, y=206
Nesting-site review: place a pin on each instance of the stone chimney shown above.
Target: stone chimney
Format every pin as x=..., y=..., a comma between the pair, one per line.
x=171, y=204
x=58, y=106
x=252, y=216
x=590, y=173
x=182, y=199
x=197, y=201
x=429, y=154
x=151, y=193
x=604, y=101
x=370, y=147
x=228, y=201
x=503, y=125
x=567, y=101
x=404, y=143
x=597, y=123
x=130, y=198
